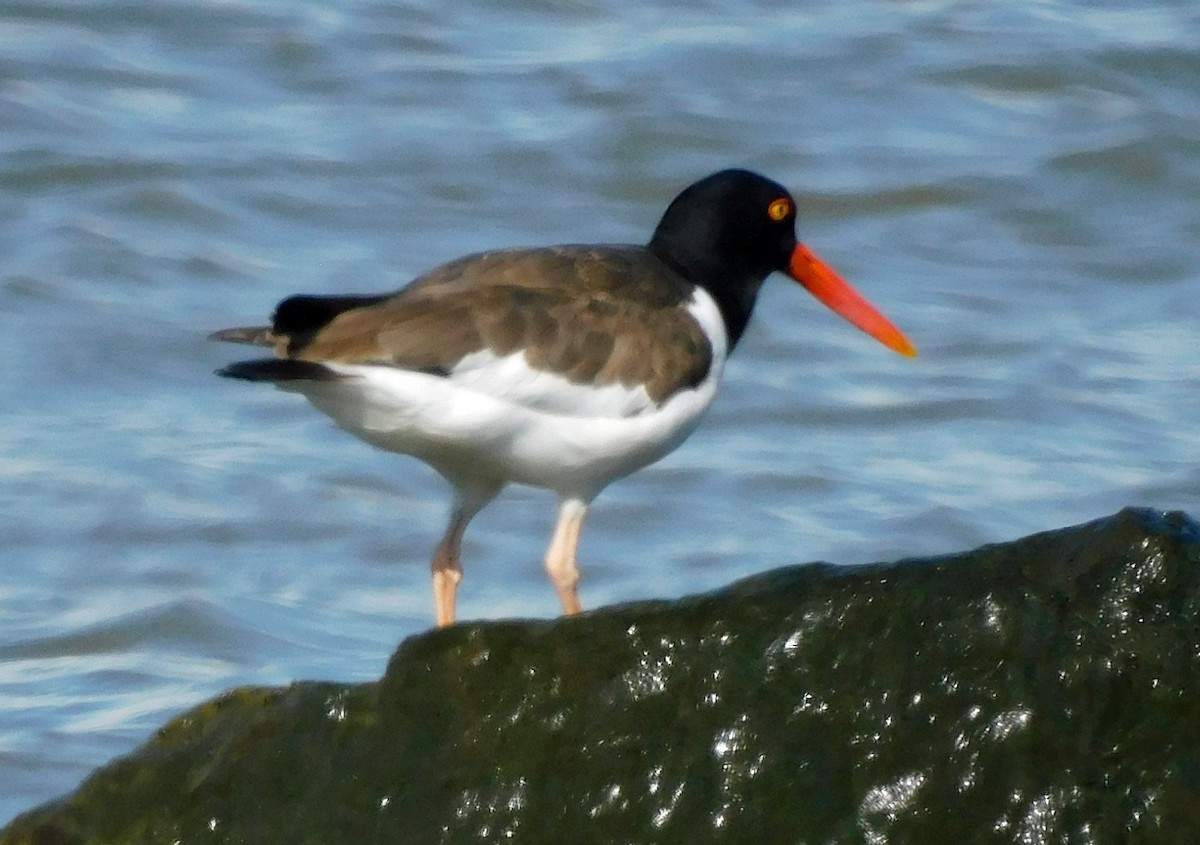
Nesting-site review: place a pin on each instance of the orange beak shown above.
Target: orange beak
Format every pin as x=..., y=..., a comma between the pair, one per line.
x=823, y=282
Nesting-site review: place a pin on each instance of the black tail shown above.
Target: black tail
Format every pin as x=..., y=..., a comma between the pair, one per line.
x=299, y=318
x=279, y=369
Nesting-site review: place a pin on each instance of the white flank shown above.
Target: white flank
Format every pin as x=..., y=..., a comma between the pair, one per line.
x=497, y=418
x=512, y=379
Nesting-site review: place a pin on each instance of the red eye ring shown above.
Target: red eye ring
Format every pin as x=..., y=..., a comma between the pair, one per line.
x=779, y=209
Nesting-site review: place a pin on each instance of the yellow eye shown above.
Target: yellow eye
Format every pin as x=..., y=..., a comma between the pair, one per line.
x=779, y=209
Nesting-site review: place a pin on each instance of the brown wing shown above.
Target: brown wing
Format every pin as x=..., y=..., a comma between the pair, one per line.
x=602, y=315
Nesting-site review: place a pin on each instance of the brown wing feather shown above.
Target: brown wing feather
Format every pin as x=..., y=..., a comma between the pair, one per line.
x=251, y=335
x=591, y=314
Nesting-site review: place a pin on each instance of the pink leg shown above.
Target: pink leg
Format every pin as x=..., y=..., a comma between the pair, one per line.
x=447, y=569
x=447, y=562
x=562, y=558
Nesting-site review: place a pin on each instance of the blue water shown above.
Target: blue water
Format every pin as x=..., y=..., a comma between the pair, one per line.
x=1015, y=184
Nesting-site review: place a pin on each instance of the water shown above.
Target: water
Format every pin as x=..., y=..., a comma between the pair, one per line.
x=1015, y=184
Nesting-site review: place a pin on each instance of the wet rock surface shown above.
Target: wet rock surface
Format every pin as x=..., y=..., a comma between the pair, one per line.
x=1043, y=690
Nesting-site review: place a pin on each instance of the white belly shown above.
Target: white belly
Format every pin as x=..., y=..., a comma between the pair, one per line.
x=459, y=430
x=507, y=422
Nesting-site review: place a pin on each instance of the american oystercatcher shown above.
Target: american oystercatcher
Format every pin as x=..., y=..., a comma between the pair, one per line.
x=562, y=367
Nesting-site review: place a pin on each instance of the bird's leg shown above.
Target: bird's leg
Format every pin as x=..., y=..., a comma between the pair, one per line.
x=562, y=558
x=447, y=562
x=447, y=568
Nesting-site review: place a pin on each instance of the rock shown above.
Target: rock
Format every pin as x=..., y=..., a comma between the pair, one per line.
x=1043, y=690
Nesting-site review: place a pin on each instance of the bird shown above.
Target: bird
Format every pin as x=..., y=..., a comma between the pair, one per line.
x=561, y=367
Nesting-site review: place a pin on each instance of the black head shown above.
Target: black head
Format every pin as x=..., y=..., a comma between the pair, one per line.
x=727, y=233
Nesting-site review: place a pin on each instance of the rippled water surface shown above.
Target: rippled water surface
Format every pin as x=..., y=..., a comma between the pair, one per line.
x=1015, y=184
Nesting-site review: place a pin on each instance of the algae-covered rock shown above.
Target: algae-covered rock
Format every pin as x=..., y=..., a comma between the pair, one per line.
x=1037, y=691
